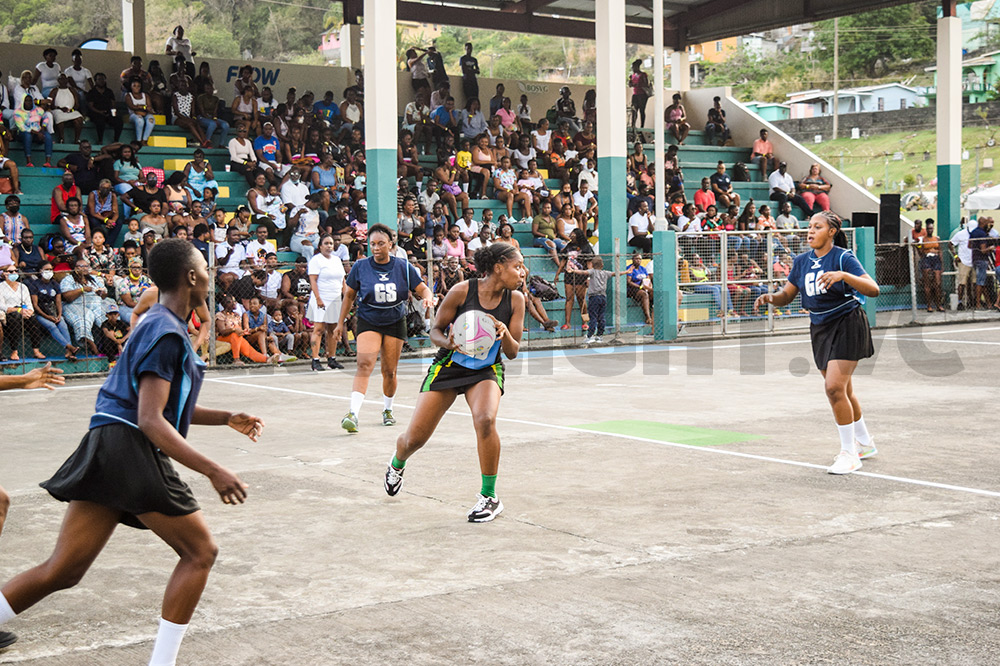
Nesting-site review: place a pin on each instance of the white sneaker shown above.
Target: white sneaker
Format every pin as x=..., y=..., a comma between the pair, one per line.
x=587, y=341
x=844, y=463
x=865, y=452
x=598, y=338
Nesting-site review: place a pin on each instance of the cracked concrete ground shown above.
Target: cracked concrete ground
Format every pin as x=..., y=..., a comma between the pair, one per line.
x=613, y=549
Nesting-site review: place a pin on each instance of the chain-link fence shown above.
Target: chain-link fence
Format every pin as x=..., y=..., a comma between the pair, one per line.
x=722, y=273
x=935, y=282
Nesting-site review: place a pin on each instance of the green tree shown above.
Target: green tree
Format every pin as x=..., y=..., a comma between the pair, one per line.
x=873, y=42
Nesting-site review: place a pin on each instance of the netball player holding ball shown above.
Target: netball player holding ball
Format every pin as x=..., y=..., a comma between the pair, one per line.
x=834, y=286
x=469, y=363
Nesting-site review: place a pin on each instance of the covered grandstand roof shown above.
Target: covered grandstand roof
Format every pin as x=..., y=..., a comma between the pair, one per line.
x=686, y=21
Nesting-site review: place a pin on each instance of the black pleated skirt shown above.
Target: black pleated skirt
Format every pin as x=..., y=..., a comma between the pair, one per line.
x=847, y=338
x=118, y=467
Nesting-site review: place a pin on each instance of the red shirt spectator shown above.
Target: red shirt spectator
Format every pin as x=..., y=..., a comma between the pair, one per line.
x=703, y=199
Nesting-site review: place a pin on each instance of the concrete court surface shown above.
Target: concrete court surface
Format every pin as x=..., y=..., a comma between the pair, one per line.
x=615, y=547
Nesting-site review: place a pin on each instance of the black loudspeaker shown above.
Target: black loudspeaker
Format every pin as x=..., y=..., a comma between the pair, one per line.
x=864, y=220
x=888, y=219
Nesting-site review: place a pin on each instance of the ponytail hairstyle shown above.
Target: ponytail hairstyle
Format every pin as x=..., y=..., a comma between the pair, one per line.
x=488, y=257
x=834, y=221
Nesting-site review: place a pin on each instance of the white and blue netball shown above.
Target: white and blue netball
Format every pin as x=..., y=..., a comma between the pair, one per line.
x=474, y=333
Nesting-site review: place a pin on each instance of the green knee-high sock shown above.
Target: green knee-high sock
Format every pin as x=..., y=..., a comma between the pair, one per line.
x=489, y=485
x=397, y=463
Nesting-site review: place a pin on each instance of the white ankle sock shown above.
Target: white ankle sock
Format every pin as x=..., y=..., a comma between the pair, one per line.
x=861, y=432
x=356, y=401
x=847, y=438
x=387, y=401
x=6, y=612
x=168, y=643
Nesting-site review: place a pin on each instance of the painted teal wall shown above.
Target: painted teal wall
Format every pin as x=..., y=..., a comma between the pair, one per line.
x=665, y=285
x=948, y=202
x=381, y=186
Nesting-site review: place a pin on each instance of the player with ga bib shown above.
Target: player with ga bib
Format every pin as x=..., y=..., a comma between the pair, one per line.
x=480, y=377
x=381, y=284
x=834, y=286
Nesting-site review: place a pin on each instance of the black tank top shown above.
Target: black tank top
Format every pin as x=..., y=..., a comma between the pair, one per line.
x=503, y=311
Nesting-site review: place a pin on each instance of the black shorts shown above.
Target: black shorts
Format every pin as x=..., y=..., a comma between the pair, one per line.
x=931, y=262
x=118, y=467
x=445, y=374
x=847, y=338
x=394, y=330
x=575, y=279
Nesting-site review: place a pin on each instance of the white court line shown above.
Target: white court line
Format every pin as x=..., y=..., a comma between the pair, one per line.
x=690, y=447
x=916, y=338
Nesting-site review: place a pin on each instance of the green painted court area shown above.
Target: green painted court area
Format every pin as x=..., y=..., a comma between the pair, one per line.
x=665, y=432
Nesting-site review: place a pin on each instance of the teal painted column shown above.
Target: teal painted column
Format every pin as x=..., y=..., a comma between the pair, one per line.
x=865, y=239
x=612, y=202
x=381, y=186
x=949, y=204
x=949, y=120
x=665, y=285
x=381, y=131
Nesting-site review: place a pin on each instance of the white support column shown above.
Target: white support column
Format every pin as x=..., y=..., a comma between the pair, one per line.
x=350, y=45
x=680, y=72
x=949, y=120
x=659, y=124
x=380, y=110
x=134, y=26
x=611, y=116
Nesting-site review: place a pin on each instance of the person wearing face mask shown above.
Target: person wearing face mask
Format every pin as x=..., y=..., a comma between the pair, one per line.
x=28, y=256
x=83, y=305
x=74, y=226
x=19, y=315
x=46, y=300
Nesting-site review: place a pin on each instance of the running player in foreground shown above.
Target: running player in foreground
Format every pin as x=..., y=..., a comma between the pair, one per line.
x=381, y=284
x=45, y=377
x=121, y=471
x=453, y=373
x=834, y=286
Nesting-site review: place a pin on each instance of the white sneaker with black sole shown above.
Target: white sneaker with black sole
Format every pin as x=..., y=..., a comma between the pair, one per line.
x=393, y=480
x=844, y=463
x=485, y=510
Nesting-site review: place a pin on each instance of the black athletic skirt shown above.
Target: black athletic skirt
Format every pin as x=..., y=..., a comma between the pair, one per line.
x=117, y=466
x=847, y=338
x=394, y=330
x=444, y=374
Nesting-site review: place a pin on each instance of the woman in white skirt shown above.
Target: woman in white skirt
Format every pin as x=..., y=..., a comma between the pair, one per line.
x=326, y=275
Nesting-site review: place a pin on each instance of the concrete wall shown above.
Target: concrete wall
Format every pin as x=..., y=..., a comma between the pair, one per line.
x=281, y=76
x=886, y=122
x=847, y=196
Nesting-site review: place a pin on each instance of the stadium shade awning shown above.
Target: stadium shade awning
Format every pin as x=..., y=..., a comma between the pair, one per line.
x=685, y=21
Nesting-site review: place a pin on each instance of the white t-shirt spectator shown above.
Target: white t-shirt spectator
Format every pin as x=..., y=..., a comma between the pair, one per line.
x=80, y=77
x=787, y=222
x=960, y=239
x=466, y=230
x=522, y=159
x=342, y=252
x=477, y=243
x=330, y=276
x=256, y=251
x=427, y=201
x=590, y=177
x=272, y=286
x=688, y=226
x=50, y=75
x=181, y=46
x=294, y=194
x=542, y=140
x=785, y=183
x=639, y=221
x=582, y=201
x=233, y=264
